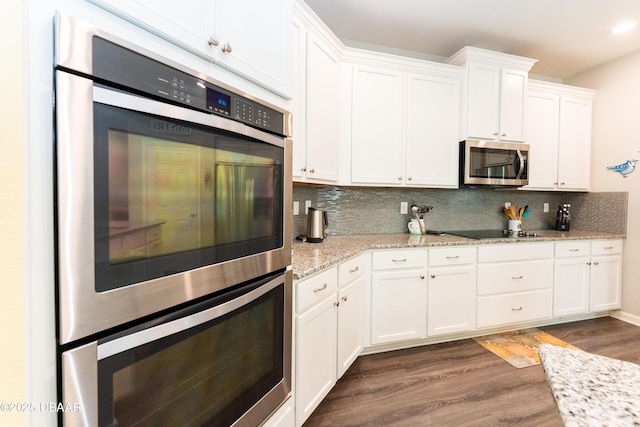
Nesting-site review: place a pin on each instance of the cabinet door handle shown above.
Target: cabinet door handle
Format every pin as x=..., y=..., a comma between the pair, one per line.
x=504, y=134
x=321, y=288
x=344, y=298
x=595, y=263
x=517, y=277
x=433, y=276
x=517, y=309
x=399, y=178
x=399, y=260
x=422, y=277
x=227, y=48
x=312, y=170
x=213, y=41
x=337, y=303
x=453, y=257
x=588, y=263
x=354, y=269
x=409, y=178
x=495, y=133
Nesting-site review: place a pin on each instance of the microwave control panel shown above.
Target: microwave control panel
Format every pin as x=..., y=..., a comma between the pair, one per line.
x=124, y=68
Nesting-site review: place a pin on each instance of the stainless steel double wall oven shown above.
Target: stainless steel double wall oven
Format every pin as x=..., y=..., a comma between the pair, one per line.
x=173, y=240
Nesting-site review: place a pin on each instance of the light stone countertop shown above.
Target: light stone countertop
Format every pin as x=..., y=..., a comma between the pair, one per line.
x=310, y=258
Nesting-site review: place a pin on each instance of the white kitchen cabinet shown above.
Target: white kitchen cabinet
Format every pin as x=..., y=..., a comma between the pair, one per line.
x=606, y=275
x=402, y=122
x=316, y=340
x=316, y=91
x=377, y=126
x=329, y=331
x=217, y=31
x=496, y=94
x=451, y=290
x=515, y=283
x=559, y=133
x=398, y=309
x=571, y=278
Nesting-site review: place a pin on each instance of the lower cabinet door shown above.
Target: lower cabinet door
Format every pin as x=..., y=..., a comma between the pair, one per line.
x=571, y=286
x=606, y=280
x=350, y=324
x=451, y=300
x=398, y=306
x=315, y=356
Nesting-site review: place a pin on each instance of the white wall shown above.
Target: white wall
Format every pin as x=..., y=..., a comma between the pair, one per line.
x=616, y=131
x=12, y=314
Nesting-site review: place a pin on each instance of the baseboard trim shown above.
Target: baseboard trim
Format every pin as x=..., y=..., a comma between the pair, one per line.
x=627, y=317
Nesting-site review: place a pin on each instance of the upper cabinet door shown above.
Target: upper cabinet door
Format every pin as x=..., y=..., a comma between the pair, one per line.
x=542, y=136
x=377, y=132
x=255, y=40
x=432, y=131
x=513, y=99
x=574, y=151
x=249, y=37
x=483, y=114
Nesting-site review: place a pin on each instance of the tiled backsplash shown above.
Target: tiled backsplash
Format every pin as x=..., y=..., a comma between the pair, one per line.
x=356, y=210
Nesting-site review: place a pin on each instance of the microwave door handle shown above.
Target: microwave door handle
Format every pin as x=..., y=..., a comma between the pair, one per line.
x=521, y=168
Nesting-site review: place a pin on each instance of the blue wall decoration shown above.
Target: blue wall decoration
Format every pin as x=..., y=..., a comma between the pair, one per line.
x=625, y=168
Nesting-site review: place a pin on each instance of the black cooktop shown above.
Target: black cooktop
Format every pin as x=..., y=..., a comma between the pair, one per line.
x=489, y=234
x=480, y=234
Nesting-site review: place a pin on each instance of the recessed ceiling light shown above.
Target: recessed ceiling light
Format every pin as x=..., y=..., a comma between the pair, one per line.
x=624, y=27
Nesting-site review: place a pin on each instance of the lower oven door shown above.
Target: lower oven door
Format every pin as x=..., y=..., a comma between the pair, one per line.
x=225, y=361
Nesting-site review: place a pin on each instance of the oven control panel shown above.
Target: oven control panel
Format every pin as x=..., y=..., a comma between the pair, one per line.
x=125, y=68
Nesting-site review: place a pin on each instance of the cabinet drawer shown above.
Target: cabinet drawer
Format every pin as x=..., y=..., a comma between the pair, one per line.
x=606, y=247
x=351, y=270
x=515, y=252
x=153, y=234
x=514, y=308
x=316, y=289
x=571, y=249
x=452, y=256
x=514, y=277
x=397, y=259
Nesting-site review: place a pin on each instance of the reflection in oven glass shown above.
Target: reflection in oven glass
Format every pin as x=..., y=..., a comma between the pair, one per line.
x=167, y=196
x=210, y=376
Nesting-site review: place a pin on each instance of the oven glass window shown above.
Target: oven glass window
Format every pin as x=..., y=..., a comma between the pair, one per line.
x=495, y=163
x=171, y=196
x=209, y=375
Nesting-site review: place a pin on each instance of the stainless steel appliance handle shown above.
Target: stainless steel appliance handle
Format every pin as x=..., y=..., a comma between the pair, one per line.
x=521, y=168
x=155, y=333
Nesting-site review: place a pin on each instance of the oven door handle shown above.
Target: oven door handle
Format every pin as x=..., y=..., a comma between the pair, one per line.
x=136, y=339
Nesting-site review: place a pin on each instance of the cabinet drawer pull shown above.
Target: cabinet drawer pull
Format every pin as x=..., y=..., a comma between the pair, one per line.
x=320, y=289
x=608, y=247
x=354, y=269
x=453, y=257
x=517, y=309
x=517, y=277
x=399, y=260
x=574, y=250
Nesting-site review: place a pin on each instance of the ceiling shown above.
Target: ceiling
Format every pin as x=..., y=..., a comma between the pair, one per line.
x=565, y=36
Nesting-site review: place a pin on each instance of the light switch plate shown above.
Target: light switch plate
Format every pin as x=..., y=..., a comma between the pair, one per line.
x=404, y=208
x=296, y=207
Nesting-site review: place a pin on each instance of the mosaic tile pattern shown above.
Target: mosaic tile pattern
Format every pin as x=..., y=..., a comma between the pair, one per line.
x=357, y=210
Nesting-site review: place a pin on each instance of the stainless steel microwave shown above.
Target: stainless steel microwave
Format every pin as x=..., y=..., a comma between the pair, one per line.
x=493, y=163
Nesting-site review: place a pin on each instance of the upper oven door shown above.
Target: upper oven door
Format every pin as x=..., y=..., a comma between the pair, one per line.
x=158, y=205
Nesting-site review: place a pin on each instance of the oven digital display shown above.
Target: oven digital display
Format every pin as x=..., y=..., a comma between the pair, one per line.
x=218, y=102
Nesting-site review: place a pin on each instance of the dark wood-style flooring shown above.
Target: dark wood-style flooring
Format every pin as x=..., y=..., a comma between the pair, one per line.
x=462, y=384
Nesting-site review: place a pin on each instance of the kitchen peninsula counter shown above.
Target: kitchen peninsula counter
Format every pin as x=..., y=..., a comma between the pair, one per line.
x=310, y=258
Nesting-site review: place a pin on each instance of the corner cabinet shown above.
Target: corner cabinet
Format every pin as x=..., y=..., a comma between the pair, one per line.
x=316, y=125
x=495, y=94
x=217, y=31
x=402, y=121
x=559, y=133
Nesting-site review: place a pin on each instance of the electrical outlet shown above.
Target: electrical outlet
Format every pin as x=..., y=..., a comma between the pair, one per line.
x=307, y=205
x=507, y=204
x=296, y=207
x=404, y=208
x=546, y=207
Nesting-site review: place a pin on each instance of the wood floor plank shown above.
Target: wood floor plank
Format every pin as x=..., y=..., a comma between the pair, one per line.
x=461, y=383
